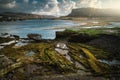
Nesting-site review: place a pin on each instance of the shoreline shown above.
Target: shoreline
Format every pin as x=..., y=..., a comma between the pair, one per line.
x=86, y=23
x=52, y=58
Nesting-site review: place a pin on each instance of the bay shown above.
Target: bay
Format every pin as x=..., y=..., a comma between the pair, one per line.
x=43, y=27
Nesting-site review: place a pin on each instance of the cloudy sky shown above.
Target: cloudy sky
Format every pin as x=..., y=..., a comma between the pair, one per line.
x=54, y=7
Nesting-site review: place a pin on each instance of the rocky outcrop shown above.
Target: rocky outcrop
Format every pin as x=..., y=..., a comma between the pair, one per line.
x=36, y=37
x=63, y=35
x=46, y=61
x=94, y=12
x=80, y=38
x=36, y=61
x=74, y=37
x=109, y=43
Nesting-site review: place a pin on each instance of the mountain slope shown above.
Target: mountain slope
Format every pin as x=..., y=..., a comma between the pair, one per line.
x=94, y=12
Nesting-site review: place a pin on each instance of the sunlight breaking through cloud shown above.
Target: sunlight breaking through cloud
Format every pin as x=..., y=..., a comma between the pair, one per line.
x=53, y=7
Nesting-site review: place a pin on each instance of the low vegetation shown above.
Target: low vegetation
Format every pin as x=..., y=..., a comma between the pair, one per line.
x=45, y=60
x=45, y=54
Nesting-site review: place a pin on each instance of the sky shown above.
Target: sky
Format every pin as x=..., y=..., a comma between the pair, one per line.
x=54, y=7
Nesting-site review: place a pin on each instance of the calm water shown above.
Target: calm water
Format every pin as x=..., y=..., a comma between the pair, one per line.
x=43, y=27
x=22, y=28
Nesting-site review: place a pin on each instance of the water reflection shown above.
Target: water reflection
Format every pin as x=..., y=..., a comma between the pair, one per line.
x=22, y=28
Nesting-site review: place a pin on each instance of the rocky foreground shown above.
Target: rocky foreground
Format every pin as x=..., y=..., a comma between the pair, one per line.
x=71, y=56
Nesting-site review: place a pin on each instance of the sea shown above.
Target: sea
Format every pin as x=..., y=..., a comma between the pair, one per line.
x=47, y=28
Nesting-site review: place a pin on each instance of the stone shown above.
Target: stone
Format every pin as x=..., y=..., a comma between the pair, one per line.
x=5, y=61
x=36, y=37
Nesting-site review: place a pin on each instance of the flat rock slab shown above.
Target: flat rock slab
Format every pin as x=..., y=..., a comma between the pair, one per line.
x=68, y=77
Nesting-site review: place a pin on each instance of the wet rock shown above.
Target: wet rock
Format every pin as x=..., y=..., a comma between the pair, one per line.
x=89, y=61
x=29, y=53
x=4, y=61
x=62, y=52
x=5, y=35
x=62, y=49
x=36, y=37
x=16, y=37
x=66, y=59
x=1, y=47
x=61, y=45
x=113, y=62
x=109, y=43
x=3, y=40
x=19, y=44
x=63, y=35
x=82, y=38
x=8, y=43
x=10, y=68
x=68, y=77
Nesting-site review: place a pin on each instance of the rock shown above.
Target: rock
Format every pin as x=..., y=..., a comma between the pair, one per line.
x=61, y=45
x=29, y=53
x=1, y=47
x=62, y=52
x=63, y=35
x=10, y=68
x=83, y=38
x=8, y=43
x=36, y=37
x=109, y=43
x=16, y=37
x=62, y=49
x=5, y=61
x=4, y=35
x=67, y=77
x=74, y=37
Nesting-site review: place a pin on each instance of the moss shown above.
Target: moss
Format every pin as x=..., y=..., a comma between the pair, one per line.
x=46, y=53
x=3, y=40
x=12, y=52
x=88, y=54
x=89, y=61
x=92, y=32
x=10, y=68
x=47, y=56
x=58, y=61
x=98, y=53
x=95, y=31
x=94, y=66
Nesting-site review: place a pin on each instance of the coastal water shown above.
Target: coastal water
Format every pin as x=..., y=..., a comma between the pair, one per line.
x=47, y=28
x=43, y=27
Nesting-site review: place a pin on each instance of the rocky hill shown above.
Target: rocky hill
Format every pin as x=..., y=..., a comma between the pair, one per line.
x=94, y=12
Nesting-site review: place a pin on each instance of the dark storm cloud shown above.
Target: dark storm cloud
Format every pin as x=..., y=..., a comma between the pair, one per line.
x=46, y=7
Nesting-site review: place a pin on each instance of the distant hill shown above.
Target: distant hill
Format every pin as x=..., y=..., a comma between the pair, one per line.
x=94, y=12
x=10, y=16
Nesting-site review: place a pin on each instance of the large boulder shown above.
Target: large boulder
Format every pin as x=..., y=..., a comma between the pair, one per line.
x=109, y=43
x=36, y=37
x=64, y=35
x=82, y=38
